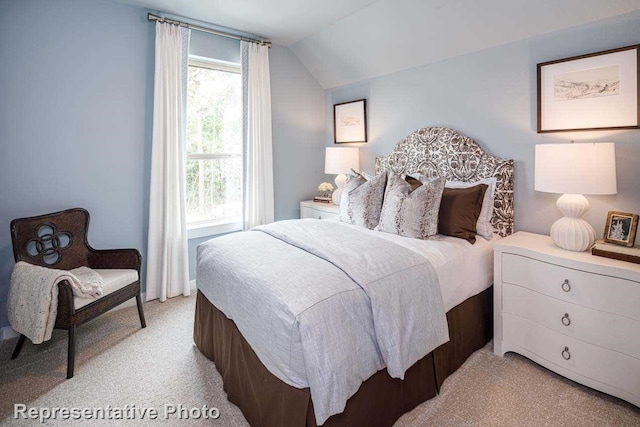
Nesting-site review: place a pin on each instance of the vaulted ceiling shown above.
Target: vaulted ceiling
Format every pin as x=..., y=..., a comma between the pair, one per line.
x=345, y=41
x=281, y=21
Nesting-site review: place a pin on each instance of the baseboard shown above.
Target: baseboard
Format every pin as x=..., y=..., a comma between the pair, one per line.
x=7, y=333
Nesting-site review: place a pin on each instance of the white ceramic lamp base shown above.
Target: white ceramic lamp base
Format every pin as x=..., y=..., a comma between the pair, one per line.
x=571, y=232
x=340, y=180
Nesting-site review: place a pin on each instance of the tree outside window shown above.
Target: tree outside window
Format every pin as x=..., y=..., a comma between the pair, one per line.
x=214, y=142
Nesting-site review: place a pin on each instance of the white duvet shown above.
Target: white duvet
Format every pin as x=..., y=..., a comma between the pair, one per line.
x=463, y=269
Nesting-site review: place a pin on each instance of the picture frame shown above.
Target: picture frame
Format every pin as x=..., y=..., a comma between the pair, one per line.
x=621, y=228
x=595, y=91
x=350, y=122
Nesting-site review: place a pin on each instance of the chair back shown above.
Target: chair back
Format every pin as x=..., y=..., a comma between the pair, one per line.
x=56, y=240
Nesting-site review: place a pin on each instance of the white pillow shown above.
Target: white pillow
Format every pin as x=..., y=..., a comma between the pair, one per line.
x=483, y=226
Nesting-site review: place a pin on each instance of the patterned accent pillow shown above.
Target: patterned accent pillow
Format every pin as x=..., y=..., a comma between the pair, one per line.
x=361, y=200
x=411, y=213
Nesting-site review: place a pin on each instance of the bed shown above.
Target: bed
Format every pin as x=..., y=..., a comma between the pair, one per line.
x=274, y=387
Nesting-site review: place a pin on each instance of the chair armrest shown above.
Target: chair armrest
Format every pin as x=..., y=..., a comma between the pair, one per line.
x=66, y=309
x=115, y=258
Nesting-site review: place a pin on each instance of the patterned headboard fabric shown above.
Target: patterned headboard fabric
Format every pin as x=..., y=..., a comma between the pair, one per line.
x=443, y=152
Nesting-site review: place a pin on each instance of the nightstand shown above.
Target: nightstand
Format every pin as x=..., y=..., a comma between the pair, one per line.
x=311, y=209
x=572, y=312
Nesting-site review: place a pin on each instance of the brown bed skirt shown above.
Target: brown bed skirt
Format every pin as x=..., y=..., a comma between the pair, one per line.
x=265, y=400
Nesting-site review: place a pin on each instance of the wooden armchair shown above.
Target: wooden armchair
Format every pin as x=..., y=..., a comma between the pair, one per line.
x=59, y=240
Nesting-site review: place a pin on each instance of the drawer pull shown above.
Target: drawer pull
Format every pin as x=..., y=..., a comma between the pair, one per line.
x=565, y=354
x=566, y=286
x=565, y=319
x=319, y=216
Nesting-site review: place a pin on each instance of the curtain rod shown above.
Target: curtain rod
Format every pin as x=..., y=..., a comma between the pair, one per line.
x=152, y=17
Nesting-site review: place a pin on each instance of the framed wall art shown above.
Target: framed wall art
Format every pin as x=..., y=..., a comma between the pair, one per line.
x=621, y=228
x=350, y=121
x=589, y=92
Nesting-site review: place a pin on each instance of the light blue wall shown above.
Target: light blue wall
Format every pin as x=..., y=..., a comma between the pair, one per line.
x=297, y=114
x=76, y=91
x=76, y=98
x=491, y=97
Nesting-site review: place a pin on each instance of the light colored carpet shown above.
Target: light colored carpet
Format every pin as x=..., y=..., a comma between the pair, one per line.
x=118, y=363
x=489, y=390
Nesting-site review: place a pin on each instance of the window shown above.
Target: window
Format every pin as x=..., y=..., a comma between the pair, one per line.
x=214, y=143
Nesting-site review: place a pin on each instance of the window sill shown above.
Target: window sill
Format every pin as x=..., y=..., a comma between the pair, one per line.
x=196, y=231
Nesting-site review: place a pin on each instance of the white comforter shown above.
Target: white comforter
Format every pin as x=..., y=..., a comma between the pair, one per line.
x=325, y=306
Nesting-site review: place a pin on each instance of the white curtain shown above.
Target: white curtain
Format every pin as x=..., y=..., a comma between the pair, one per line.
x=167, y=262
x=258, y=156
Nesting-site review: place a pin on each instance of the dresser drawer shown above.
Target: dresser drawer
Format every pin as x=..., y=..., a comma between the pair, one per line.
x=597, y=363
x=307, y=212
x=610, y=294
x=597, y=327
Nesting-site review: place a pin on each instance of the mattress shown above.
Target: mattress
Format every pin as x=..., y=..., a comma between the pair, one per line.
x=464, y=269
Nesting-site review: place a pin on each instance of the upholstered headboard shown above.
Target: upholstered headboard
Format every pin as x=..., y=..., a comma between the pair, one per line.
x=443, y=152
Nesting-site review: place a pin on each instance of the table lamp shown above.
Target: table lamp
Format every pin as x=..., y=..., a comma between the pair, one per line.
x=339, y=160
x=575, y=170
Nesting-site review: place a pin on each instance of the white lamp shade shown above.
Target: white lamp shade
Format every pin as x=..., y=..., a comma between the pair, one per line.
x=585, y=168
x=339, y=160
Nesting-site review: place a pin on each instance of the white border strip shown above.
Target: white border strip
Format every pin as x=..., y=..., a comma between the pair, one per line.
x=7, y=333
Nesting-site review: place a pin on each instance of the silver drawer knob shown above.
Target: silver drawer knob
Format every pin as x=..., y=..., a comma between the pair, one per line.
x=565, y=319
x=565, y=354
x=566, y=286
x=319, y=216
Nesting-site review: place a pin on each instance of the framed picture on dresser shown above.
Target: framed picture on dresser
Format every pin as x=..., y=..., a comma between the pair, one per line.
x=589, y=92
x=621, y=228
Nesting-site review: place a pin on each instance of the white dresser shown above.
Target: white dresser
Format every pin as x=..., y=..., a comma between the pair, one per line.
x=572, y=312
x=311, y=209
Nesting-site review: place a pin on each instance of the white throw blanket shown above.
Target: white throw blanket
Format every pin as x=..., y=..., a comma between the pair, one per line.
x=32, y=305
